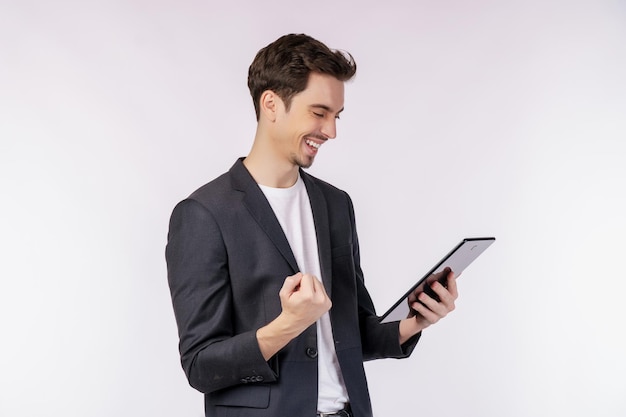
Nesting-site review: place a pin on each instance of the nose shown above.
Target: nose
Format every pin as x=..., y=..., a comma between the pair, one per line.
x=330, y=128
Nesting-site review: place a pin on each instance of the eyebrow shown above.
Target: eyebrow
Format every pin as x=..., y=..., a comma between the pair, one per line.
x=325, y=107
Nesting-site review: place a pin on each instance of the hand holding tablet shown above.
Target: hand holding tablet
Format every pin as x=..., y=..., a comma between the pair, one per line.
x=456, y=261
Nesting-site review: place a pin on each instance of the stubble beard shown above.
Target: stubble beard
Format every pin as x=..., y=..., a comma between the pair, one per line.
x=300, y=161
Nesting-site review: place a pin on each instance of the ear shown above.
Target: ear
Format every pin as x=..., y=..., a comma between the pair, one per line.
x=269, y=104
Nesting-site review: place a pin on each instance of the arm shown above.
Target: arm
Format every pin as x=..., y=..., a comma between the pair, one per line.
x=408, y=330
x=379, y=340
x=303, y=300
x=212, y=355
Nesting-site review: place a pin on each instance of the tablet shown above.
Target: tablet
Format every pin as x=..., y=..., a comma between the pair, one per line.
x=456, y=260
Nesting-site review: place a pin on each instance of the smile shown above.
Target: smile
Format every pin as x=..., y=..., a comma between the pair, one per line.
x=313, y=144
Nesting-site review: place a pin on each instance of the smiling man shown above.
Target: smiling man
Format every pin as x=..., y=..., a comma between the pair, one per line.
x=263, y=262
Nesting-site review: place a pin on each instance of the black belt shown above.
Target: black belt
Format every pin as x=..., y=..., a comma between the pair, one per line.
x=346, y=412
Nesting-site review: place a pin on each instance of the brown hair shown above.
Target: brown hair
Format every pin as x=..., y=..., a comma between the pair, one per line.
x=284, y=67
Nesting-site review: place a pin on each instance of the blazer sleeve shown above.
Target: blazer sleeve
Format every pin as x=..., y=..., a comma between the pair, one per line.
x=212, y=356
x=379, y=340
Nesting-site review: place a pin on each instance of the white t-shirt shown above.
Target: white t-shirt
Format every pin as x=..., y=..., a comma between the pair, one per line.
x=293, y=210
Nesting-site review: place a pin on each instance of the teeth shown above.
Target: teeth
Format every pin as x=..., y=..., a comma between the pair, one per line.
x=313, y=144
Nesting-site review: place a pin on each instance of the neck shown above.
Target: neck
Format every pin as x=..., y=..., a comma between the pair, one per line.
x=268, y=168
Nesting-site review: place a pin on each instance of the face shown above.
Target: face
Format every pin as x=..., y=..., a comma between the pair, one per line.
x=311, y=120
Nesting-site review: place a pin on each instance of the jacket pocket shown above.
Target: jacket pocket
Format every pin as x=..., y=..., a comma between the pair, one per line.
x=253, y=396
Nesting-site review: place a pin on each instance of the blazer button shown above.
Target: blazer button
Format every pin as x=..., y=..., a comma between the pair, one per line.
x=311, y=352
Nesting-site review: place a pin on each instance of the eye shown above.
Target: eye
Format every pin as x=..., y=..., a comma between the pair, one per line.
x=318, y=114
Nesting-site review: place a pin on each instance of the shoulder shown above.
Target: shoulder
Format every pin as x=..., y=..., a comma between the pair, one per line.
x=225, y=190
x=212, y=191
x=326, y=188
x=338, y=202
x=201, y=206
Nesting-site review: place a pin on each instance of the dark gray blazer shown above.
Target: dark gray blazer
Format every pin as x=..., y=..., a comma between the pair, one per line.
x=227, y=258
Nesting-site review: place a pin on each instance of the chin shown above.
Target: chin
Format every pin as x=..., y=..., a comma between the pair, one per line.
x=302, y=162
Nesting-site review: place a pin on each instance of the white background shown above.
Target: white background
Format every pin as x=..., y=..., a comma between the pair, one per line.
x=466, y=118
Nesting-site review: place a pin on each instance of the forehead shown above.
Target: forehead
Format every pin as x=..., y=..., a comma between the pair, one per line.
x=324, y=90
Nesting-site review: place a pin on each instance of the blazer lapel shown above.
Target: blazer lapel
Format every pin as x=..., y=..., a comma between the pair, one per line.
x=322, y=229
x=261, y=211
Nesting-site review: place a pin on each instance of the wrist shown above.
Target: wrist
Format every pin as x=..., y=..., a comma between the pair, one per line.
x=275, y=335
x=409, y=328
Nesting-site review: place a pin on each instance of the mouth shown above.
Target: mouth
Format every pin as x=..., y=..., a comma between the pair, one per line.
x=313, y=144
x=309, y=149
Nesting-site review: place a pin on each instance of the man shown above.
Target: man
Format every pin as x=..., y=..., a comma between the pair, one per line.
x=257, y=343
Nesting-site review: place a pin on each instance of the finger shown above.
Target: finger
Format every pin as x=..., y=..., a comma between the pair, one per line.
x=291, y=283
x=446, y=305
x=307, y=285
x=321, y=294
x=438, y=308
x=318, y=293
x=318, y=285
x=445, y=295
x=425, y=313
x=452, y=287
x=449, y=292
